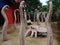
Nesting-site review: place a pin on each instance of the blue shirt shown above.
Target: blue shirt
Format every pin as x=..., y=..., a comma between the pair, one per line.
x=3, y=2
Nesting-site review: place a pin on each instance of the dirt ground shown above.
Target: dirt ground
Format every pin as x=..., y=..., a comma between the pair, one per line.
x=13, y=39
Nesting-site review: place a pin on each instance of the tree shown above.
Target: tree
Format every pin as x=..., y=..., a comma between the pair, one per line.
x=33, y=4
x=58, y=19
x=56, y=9
x=44, y=8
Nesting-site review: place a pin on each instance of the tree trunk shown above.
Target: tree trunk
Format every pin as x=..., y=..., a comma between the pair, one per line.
x=15, y=18
x=4, y=31
x=48, y=25
x=22, y=42
x=38, y=14
x=35, y=13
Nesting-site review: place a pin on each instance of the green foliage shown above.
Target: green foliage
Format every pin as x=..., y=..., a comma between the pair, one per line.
x=56, y=9
x=33, y=4
x=58, y=19
x=56, y=4
x=44, y=8
x=58, y=23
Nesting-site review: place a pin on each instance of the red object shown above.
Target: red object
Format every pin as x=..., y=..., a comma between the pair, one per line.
x=9, y=15
x=19, y=1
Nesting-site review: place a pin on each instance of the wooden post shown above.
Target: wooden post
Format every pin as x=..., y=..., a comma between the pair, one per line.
x=22, y=42
x=4, y=31
x=50, y=33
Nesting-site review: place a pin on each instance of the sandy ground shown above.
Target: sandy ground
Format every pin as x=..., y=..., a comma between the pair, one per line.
x=13, y=39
